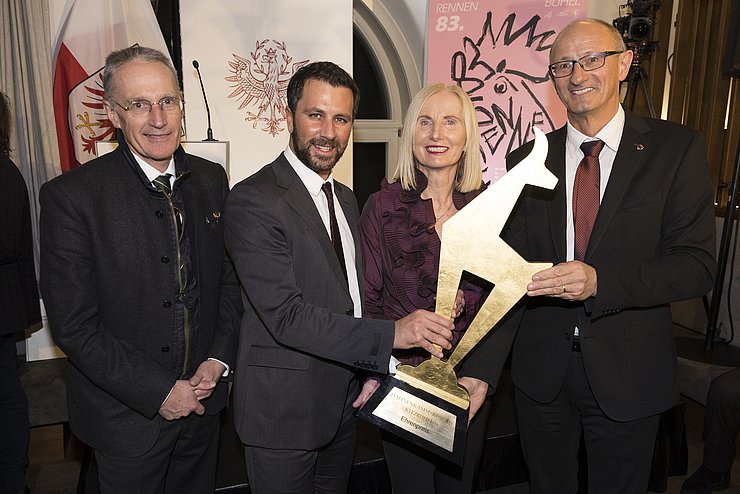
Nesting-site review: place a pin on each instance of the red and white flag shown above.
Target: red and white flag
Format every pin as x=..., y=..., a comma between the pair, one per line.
x=89, y=30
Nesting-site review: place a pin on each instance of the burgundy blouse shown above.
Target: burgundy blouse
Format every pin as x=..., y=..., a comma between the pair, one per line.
x=401, y=251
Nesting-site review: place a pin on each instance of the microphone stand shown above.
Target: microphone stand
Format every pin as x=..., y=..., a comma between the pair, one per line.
x=209, y=132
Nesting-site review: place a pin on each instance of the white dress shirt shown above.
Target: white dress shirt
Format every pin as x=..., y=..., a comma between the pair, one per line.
x=611, y=134
x=313, y=183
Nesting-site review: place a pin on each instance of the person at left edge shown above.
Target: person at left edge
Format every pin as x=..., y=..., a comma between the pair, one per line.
x=19, y=310
x=139, y=291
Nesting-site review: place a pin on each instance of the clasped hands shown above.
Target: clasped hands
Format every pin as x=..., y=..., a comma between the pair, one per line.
x=185, y=396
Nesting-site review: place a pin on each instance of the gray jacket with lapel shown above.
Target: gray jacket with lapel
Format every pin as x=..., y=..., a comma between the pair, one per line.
x=300, y=346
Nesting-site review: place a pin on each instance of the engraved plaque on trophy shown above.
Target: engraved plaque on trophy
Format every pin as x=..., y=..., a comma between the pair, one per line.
x=424, y=404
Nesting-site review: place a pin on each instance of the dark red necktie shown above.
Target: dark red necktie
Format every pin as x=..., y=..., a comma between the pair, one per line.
x=336, y=238
x=586, y=196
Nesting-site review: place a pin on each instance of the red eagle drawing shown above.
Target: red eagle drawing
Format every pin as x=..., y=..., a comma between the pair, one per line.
x=262, y=83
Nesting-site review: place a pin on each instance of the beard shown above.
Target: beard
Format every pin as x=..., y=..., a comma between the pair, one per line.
x=317, y=164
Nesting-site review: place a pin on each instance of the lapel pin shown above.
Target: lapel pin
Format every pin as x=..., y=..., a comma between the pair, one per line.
x=217, y=215
x=639, y=146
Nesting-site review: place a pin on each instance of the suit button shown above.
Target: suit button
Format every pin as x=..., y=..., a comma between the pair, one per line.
x=159, y=213
x=165, y=259
x=166, y=304
x=375, y=367
x=357, y=364
x=165, y=349
x=350, y=312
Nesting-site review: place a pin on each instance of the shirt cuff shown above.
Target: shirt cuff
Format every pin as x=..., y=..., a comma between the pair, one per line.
x=228, y=369
x=168, y=395
x=394, y=362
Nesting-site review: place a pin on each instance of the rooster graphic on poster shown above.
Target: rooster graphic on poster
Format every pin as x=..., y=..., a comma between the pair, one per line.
x=261, y=83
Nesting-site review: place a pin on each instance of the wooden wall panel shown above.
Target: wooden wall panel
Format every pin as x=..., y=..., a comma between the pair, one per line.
x=699, y=94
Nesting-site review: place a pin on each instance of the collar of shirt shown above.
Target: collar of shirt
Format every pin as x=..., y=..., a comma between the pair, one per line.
x=151, y=172
x=313, y=182
x=310, y=178
x=611, y=134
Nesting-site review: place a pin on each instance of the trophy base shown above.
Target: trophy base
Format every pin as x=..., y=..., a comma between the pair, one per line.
x=418, y=417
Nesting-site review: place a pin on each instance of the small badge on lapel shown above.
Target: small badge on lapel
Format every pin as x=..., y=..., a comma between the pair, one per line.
x=216, y=216
x=639, y=146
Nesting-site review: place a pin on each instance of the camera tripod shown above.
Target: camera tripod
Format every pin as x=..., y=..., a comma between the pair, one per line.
x=638, y=75
x=718, y=353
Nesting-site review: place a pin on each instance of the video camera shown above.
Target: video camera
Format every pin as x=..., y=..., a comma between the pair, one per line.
x=637, y=24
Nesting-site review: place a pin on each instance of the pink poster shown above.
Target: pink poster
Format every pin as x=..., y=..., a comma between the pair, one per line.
x=498, y=51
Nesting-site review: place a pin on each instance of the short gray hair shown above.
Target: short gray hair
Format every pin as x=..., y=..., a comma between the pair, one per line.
x=116, y=59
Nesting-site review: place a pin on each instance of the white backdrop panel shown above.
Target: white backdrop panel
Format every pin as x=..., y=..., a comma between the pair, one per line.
x=260, y=44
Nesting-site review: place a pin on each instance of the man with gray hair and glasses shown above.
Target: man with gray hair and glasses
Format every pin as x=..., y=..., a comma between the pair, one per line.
x=139, y=291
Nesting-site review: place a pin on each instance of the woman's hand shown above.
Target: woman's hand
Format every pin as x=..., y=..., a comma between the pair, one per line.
x=368, y=388
x=459, y=305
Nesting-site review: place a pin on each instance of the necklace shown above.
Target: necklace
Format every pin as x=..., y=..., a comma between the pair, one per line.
x=439, y=217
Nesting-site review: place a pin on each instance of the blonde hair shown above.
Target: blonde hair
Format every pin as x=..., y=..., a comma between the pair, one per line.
x=469, y=174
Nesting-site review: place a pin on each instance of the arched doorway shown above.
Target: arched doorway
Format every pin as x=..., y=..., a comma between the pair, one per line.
x=378, y=54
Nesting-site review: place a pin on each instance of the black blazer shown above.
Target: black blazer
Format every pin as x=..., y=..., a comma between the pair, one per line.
x=19, y=296
x=108, y=283
x=299, y=346
x=653, y=243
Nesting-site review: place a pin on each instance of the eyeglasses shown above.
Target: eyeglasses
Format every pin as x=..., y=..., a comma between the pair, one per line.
x=592, y=61
x=140, y=107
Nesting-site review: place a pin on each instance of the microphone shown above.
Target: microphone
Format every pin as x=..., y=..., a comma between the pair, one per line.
x=208, y=111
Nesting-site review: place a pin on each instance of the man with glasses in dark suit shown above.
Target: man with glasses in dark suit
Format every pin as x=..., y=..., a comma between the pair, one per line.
x=630, y=229
x=139, y=291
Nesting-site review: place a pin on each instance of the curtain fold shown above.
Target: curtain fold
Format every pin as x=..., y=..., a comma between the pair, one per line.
x=26, y=77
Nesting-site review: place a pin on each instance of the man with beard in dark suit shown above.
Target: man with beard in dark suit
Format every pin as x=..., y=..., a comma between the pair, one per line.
x=293, y=232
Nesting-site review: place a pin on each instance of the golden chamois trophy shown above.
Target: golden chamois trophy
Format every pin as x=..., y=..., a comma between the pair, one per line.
x=425, y=404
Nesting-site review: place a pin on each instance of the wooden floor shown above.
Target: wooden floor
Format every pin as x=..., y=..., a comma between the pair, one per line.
x=54, y=469
x=694, y=427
